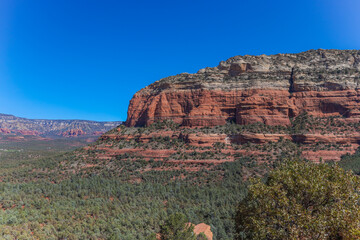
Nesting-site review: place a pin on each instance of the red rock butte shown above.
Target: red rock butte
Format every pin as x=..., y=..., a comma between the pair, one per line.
x=258, y=107
x=247, y=89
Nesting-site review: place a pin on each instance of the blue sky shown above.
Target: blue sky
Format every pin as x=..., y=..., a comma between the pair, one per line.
x=84, y=59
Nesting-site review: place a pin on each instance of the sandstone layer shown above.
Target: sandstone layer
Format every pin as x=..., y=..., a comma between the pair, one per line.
x=259, y=109
x=247, y=89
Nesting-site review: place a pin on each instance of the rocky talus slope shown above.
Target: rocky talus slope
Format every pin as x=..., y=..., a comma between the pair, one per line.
x=12, y=125
x=252, y=109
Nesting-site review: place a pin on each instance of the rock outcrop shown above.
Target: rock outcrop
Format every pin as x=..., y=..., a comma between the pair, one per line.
x=247, y=89
x=248, y=108
x=73, y=133
x=203, y=228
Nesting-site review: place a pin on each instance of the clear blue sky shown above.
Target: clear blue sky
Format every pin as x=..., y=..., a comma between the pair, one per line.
x=84, y=59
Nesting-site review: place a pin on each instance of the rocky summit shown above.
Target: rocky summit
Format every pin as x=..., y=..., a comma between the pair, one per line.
x=249, y=89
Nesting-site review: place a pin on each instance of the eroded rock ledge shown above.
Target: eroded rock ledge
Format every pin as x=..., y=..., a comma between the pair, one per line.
x=248, y=89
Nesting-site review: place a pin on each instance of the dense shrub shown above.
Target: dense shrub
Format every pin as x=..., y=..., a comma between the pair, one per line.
x=301, y=200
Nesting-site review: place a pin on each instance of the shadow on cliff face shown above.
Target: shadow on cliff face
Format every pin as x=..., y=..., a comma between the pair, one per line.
x=330, y=107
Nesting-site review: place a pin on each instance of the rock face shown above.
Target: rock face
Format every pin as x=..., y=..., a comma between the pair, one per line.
x=203, y=228
x=248, y=108
x=73, y=133
x=11, y=125
x=248, y=89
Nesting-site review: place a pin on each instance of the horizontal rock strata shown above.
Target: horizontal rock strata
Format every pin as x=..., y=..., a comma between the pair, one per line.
x=247, y=89
x=248, y=108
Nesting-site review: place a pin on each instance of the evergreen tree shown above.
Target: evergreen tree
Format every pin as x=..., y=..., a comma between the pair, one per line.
x=301, y=200
x=176, y=227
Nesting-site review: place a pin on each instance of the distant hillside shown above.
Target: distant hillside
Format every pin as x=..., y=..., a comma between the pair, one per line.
x=12, y=125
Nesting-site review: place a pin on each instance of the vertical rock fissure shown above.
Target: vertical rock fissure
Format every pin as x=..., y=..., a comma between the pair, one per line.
x=291, y=81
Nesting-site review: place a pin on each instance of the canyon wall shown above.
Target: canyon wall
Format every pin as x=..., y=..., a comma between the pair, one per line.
x=262, y=108
x=248, y=89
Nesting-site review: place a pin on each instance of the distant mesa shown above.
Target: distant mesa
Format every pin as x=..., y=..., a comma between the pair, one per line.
x=17, y=126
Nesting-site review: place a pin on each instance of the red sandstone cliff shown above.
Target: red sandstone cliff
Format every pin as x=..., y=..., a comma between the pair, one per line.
x=247, y=106
x=248, y=89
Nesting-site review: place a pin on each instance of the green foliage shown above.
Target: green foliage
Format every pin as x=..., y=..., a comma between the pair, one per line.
x=177, y=227
x=301, y=200
x=160, y=125
x=78, y=195
x=201, y=236
x=40, y=196
x=351, y=162
x=152, y=236
x=100, y=208
x=301, y=123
